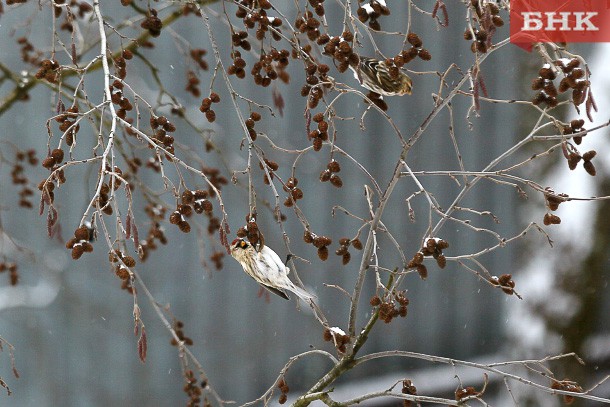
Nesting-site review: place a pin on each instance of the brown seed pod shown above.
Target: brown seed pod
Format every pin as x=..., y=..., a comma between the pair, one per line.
x=573, y=159
x=292, y=182
x=589, y=167
x=344, y=241
x=334, y=166
x=325, y=175
x=547, y=73
x=414, y=40
x=505, y=279
x=539, y=98
x=312, y=102
x=187, y=197
x=578, y=97
x=422, y=271
x=327, y=335
x=336, y=181
x=341, y=250
x=497, y=20
x=312, y=80
x=318, y=117
x=175, y=218
x=564, y=85
x=552, y=204
x=77, y=251
x=441, y=261
x=375, y=25
x=48, y=162
x=357, y=244
x=82, y=233
x=70, y=243
x=363, y=15
x=129, y=261
x=588, y=156
x=297, y=194
x=318, y=241
x=323, y=253
x=273, y=166
x=538, y=83
x=577, y=124
x=241, y=232
x=184, y=226
x=122, y=272
x=185, y=210
x=205, y=104
x=317, y=144
x=308, y=237
x=481, y=35
x=58, y=155
x=550, y=89
x=323, y=39
x=551, y=219
x=346, y=258
x=210, y=115
x=105, y=190
x=200, y=194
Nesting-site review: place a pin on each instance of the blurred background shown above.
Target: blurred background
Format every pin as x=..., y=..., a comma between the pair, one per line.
x=72, y=325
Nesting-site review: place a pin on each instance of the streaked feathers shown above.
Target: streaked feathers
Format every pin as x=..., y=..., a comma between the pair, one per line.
x=374, y=75
x=266, y=268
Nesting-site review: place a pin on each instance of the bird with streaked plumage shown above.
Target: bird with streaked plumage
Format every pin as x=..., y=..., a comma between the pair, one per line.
x=374, y=75
x=267, y=269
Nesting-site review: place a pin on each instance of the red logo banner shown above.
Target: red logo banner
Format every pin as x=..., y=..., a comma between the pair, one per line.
x=559, y=21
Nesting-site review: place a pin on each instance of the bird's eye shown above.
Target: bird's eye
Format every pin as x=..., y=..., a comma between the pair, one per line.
x=243, y=244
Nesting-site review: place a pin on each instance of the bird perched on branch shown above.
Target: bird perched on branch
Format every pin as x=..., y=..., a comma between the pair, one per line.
x=375, y=75
x=267, y=269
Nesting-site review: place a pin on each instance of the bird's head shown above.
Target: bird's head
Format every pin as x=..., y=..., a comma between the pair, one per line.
x=240, y=247
x=405, y=85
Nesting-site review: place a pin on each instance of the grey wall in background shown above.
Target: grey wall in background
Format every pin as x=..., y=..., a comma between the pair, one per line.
x=80, y=350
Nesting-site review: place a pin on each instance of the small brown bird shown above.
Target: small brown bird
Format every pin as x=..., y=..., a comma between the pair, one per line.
x=374, y=75
x=267, y=269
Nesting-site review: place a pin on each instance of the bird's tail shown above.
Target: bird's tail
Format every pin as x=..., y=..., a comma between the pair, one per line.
x=301, y=293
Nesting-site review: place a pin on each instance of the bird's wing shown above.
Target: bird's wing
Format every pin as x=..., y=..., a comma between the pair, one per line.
x=277, y=291
x=270, y=254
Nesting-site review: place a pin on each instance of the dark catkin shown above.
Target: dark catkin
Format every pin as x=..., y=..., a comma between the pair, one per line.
x=336, y=181
x=323, y=253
